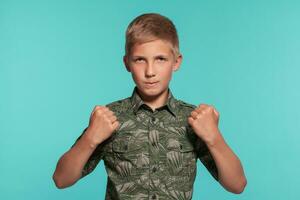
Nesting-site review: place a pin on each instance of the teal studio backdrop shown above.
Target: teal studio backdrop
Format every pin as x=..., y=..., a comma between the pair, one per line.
x=58, y=59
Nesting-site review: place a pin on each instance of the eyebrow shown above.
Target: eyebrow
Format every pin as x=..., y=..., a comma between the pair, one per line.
x=157, y=56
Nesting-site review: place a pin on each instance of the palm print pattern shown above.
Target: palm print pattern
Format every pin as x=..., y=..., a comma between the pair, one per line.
x=153, y=153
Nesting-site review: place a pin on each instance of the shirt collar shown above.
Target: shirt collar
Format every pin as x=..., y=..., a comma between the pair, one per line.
x=137, y=102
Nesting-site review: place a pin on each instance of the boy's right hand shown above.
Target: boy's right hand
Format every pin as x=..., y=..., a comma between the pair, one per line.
x=102, y=124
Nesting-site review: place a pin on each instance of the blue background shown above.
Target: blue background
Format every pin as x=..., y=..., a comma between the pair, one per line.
x=58, y=59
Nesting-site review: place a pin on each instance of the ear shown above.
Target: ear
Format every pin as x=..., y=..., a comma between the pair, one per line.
x=126, y=63
x=177, y=62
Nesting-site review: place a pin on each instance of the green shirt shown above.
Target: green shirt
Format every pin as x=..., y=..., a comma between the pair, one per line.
x=153, y=154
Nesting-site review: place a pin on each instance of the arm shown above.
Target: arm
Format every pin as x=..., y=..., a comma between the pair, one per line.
x=71, y=166
x=204, y=121
x=230, y=170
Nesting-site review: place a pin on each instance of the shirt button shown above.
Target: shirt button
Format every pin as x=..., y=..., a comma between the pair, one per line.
x=153, y=196
x=153, y=119
x=154, y=169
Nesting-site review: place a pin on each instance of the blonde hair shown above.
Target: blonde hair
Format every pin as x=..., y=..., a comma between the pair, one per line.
x=151, y=26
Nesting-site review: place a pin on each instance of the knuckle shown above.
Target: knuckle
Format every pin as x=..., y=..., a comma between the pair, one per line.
x=209, y=108
x=105, y=108
x=107, y=120
x=111, y=112
x=98, y=108
x=98, y=112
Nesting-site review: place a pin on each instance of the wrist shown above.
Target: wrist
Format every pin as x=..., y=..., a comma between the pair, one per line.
x=89, y=139
x=214, y=140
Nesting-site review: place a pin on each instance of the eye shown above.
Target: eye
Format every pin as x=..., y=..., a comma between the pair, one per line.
x=161, y=58
x=138, y=60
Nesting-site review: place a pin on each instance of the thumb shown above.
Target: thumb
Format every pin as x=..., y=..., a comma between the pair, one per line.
x=190, y=120
x=216, y=112
x=116, y=125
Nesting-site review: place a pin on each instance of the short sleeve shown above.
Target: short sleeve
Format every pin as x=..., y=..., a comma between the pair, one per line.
x=206, y=158
x=93, y=160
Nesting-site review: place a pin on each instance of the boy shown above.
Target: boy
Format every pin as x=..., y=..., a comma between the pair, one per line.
x=150, y=141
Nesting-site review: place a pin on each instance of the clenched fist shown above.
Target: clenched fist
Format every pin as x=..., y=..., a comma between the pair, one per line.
x=102, y=124
x=204, y=121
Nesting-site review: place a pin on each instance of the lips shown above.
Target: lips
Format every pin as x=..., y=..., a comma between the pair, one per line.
x=151, y=84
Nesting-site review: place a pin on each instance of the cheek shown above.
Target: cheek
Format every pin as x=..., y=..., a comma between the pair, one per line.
x=136, y=74
x=166, y=71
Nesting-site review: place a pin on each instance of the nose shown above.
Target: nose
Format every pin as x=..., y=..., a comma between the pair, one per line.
x=150, y=70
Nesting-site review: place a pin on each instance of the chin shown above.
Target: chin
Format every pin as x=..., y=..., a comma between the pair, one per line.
x=151, y=92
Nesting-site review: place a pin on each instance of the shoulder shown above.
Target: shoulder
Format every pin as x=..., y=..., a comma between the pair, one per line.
x=185, y=105
x=119, y=106
x=184, y=108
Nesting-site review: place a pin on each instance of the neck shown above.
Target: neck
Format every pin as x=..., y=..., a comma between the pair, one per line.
x=155, y=101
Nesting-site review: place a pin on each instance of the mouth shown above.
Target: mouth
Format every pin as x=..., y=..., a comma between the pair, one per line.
x=151, y=83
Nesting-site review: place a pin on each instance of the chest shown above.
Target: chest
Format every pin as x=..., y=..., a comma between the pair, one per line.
x=152, y=141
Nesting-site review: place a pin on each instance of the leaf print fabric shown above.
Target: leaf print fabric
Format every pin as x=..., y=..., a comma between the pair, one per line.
x=153, y=154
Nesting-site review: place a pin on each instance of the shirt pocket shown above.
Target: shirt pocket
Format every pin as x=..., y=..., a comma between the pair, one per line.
x=126, y=151
x=126, y=144
x=120, y=145
x=181, y=157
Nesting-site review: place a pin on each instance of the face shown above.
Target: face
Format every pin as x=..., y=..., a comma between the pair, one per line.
x=151, y=65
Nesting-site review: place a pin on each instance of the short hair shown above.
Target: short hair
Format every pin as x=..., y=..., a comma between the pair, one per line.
x=151, y=26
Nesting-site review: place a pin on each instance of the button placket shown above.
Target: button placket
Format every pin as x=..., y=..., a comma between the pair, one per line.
x=153, y=141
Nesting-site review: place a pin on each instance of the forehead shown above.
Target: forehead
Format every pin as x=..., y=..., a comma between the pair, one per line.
x=153, y=47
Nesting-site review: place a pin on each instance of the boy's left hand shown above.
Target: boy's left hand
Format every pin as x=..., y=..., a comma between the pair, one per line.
x=204, y=121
